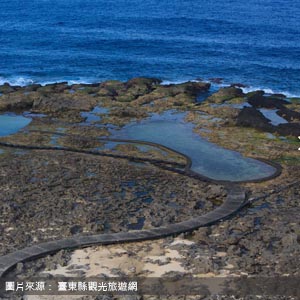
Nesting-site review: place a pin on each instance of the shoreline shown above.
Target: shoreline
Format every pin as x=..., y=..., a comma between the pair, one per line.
x=222, y=119
x=216, y=82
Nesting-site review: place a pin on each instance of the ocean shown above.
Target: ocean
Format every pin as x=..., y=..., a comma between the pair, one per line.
x=252, y=42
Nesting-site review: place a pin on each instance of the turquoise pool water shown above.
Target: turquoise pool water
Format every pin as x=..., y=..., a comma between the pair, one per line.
x=208, y=159
x=10, y=123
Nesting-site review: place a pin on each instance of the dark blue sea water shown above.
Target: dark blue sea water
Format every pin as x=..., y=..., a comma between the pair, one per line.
x=254, y=42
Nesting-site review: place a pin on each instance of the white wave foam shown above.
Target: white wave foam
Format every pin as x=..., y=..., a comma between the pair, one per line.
x=69, y=82
x=167, y=82
x=23, y=81
x=270, y=91
x=213, y=86
x=20, y=81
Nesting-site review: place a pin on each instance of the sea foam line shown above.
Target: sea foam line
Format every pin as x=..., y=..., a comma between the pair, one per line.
x=270, y=91
x=23, y=81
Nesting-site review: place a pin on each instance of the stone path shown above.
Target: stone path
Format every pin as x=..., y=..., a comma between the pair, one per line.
x=236, y=199
x=161, y=163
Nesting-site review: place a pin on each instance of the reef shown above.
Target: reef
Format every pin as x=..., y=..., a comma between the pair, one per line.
x=47, y=195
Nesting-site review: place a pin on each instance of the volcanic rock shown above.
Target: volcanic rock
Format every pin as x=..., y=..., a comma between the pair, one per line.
x=6, y=88
x=288, y=129
x=259, y=101
x=225, y=94
x=288, y=114
x=251, y=117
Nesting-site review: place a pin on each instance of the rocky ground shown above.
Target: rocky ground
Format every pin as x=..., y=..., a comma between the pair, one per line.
x=50, y=195
x=262, y=240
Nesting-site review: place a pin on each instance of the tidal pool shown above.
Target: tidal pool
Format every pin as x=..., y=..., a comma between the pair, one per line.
x=208, y=159
x=11, y=123
x=271, y=114
x=93, y=116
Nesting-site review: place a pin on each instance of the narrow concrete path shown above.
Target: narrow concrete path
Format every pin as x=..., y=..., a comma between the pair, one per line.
x=236, y=199
x=161, y=163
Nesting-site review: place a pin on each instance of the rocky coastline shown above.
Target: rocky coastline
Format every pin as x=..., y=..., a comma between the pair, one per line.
x=46, y=195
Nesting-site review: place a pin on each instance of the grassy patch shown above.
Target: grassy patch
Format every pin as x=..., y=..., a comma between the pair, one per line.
x=288, y=160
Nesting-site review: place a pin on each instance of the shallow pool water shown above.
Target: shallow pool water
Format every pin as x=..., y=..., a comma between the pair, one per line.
x=271, y=114
x=93, y=116
x=208, y=159
x=11, y=123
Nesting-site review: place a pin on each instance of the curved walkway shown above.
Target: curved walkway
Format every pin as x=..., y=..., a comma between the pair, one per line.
x=236, y=199
x=187, y=166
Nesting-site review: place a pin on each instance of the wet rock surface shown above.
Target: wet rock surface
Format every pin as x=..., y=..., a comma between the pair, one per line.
x=49, y=195
x=66, y=102
x=262, y=240
x=259, y=101
x=225, y=94
x=251, y=117
x=289, y=129
x=289, y=114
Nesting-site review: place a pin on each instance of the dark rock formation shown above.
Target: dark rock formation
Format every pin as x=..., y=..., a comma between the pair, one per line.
x=54, y=87
x=225, y=94
x=288, y=129
x=288, y=114
x=142, y=81
x=32, y=88
x=251, y=117
x=255, y=93
x=6, y=88
x=192, y=89
x=260, y=101
x=281, y=96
